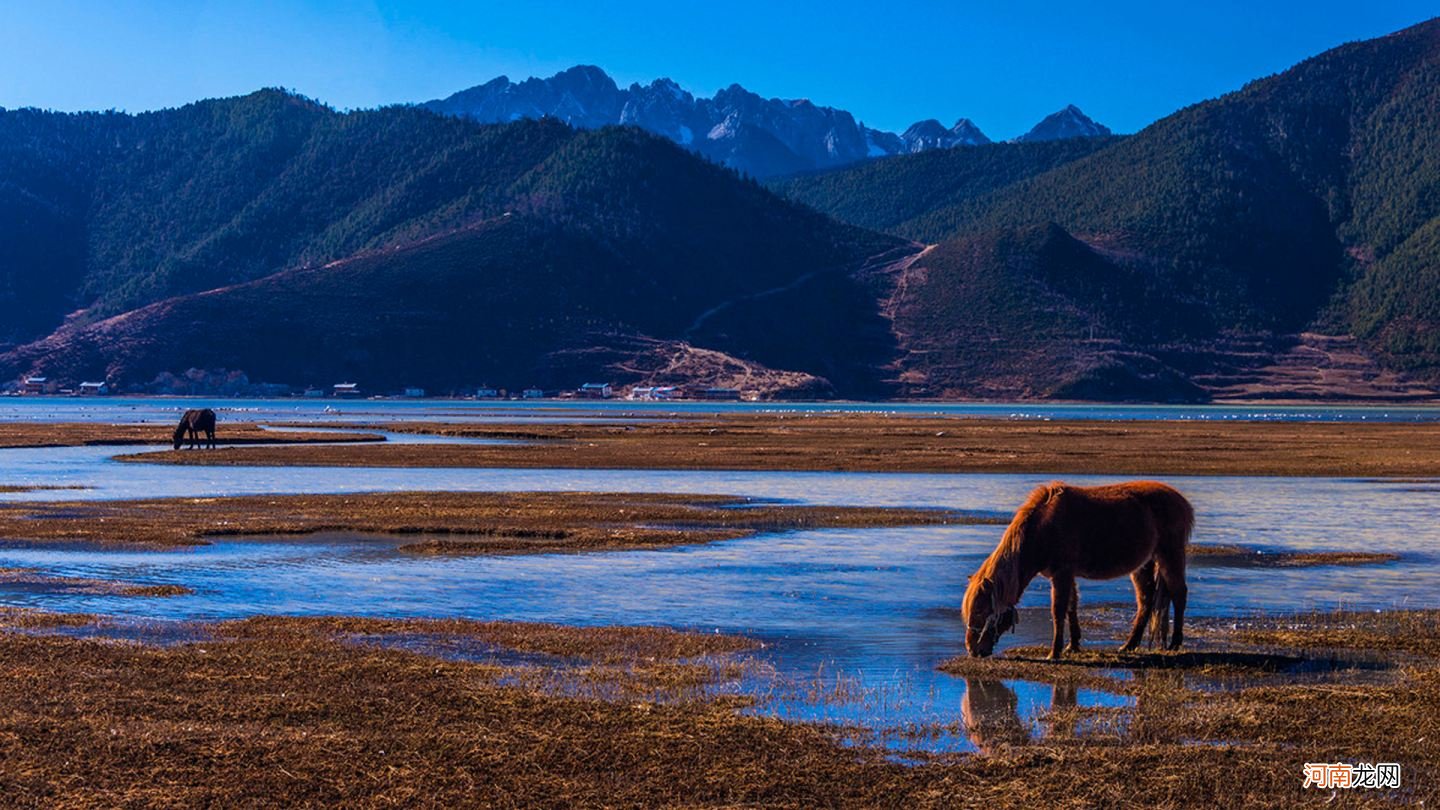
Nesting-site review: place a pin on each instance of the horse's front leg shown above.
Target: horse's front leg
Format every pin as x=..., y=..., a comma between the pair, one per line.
x=1062, y=586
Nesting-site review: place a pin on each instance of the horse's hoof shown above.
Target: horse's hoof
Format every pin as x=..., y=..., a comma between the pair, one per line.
x=1072, y=648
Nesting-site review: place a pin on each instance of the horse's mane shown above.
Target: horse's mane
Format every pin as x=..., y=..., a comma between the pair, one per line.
x=1002, y=567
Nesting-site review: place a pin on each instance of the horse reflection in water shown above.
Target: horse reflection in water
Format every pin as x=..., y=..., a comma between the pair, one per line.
x=991, y=711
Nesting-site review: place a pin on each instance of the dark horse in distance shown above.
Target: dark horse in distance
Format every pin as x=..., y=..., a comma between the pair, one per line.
x=1140, y=528
x=194, y=422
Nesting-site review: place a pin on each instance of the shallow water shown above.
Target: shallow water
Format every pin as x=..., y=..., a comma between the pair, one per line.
x=165, y=410
x=854, y=620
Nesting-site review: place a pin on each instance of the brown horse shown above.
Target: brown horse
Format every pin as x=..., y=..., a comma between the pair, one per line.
x=1140, y=528
x=196, y=421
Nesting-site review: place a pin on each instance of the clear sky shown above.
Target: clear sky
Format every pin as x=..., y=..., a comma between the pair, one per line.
x=1003, y=64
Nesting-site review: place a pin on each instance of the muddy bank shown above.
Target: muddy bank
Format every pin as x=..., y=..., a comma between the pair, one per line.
x=468, y=522
x=878, y=443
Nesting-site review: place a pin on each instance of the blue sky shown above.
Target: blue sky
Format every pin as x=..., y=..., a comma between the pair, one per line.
x=1003, y=64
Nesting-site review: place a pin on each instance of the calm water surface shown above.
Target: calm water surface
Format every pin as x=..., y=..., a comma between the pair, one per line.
x=167, y=409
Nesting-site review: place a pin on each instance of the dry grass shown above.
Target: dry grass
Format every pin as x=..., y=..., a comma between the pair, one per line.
x=1264, y=720
x=70, y=434
x=503, y=541
x=1415, y=632
x=283, y=715
x=868, y=442
x=287, y=711
x=499, y=522
x=37, y=488
x=1224, y=554
x=30, y=578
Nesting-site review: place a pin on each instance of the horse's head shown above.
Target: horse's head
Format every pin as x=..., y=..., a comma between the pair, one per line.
x=179, y=435
x=987, y=616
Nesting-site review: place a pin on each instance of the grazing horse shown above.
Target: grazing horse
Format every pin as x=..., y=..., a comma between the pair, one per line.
x=1140, y=528
x=195, y=421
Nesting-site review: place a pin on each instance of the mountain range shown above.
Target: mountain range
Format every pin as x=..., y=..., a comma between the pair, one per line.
x=1214, y=245
x=758, y=136
x=1280, y=241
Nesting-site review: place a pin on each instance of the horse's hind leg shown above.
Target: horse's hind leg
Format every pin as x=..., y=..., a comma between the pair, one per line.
x=1144, y=580
x=210, y=437
x=1074, y=645
x=1062, y=590
x=1173, y=573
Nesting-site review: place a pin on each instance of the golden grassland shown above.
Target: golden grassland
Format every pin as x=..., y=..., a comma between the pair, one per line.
x=279, y=711
x=471, y=522
x=880, y=443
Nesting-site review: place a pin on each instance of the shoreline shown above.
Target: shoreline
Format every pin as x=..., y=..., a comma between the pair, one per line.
x=878, y=443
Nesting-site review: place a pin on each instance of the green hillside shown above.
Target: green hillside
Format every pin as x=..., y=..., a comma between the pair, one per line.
x=1306, y=199
x=273, y=235
x=888, y=193
x=1267, y=203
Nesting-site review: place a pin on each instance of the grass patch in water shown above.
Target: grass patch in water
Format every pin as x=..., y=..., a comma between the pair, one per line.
x=542, y=521
x=34, y=580
x=886, y=443
x=1240, y=556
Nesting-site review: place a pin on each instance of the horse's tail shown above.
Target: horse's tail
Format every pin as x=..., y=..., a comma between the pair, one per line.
x=1179, y=521
x=1159, y=612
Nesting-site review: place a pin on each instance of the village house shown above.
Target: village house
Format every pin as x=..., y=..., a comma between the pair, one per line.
x=94, y=389
x=596, y=391
x=486, y=392
x=533, y=393
x=654, y=392
x=37, y=385
x=347, y=389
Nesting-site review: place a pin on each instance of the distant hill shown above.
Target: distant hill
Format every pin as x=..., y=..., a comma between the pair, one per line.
x=758, y=136
x=1306, y=201
x=1307, y=197
x=1067, y=123
x=891, y=193
x=276, y=236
